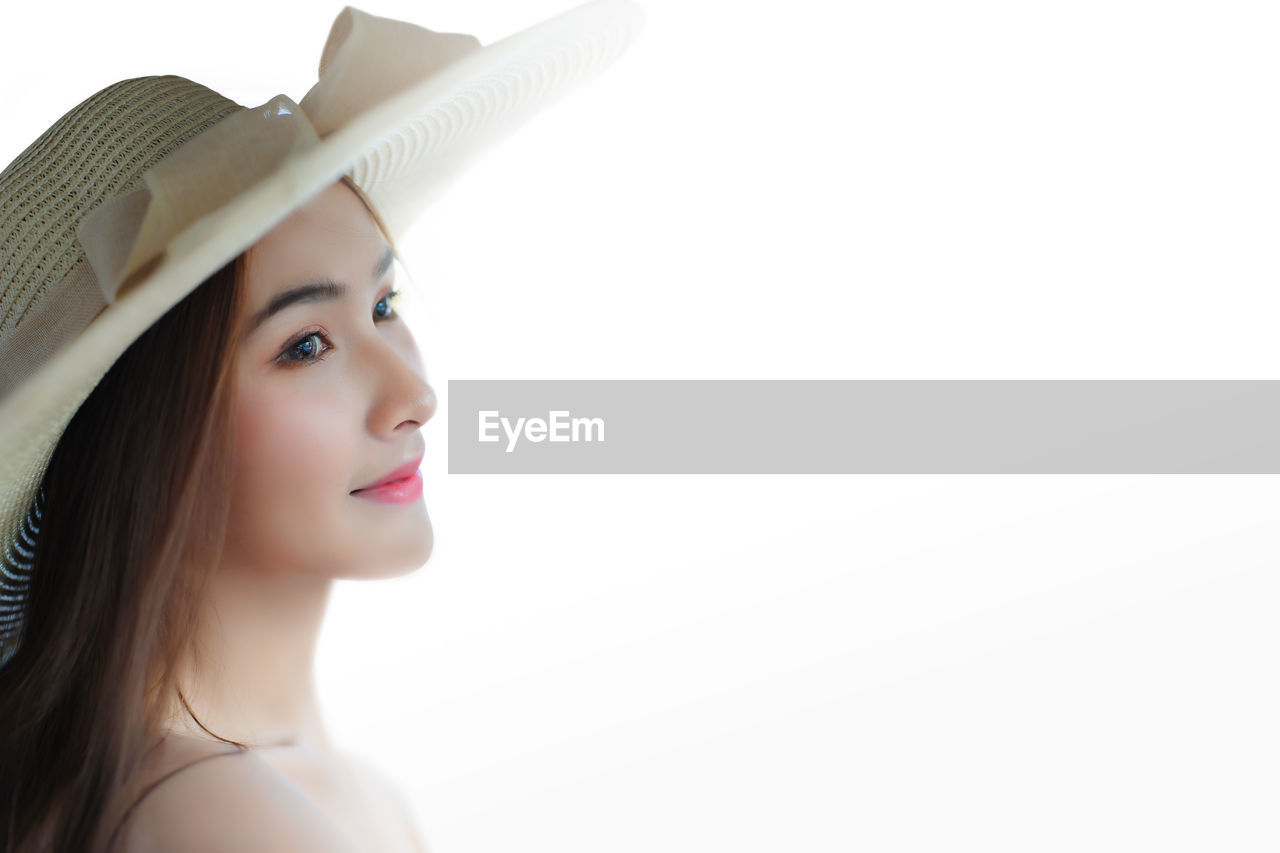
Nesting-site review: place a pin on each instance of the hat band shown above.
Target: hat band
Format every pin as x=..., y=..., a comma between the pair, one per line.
x=127, y=234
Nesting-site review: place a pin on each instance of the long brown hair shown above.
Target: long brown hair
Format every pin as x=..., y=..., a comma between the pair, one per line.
x=133, y=520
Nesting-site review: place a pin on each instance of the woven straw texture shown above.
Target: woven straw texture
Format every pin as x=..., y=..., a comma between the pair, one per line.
x=97, y=150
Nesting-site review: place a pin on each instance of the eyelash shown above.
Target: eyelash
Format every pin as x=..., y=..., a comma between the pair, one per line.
x=284, y=360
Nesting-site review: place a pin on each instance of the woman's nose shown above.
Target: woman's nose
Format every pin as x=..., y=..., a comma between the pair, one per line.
x=402, y=398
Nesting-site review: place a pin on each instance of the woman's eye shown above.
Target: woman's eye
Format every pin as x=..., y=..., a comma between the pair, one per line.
x=306, y=350
x=387, y=301
x=311, y=348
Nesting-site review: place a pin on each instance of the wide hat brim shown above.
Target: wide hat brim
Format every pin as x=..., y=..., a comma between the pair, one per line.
x=385, y=111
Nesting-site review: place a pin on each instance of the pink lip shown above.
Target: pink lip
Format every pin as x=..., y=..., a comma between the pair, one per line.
x=402, y=491
x=403, y=485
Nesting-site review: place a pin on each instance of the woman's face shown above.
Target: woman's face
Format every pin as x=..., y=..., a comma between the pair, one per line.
x=332, y=397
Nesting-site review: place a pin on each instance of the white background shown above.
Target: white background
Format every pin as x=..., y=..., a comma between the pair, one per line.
x=815, y=190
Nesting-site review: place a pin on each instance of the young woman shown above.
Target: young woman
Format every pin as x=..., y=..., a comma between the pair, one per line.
x=193, y=449
x=320, y=388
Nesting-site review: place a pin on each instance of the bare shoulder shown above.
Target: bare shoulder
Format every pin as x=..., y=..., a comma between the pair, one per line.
x=233, y=803
x=386, y=791
x=373, y=778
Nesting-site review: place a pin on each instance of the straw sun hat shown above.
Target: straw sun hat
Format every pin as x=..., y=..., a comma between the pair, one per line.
x=137, y=195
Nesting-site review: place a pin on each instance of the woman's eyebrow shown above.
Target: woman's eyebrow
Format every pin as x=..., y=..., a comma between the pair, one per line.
x=315, y=291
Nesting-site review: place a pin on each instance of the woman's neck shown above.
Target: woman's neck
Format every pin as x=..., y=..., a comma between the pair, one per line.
x=253, y=679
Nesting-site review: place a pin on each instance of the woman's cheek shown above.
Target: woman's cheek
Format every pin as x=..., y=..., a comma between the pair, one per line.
x=293, y=471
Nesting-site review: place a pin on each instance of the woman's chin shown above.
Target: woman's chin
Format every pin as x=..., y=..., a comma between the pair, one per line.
x=410, y=558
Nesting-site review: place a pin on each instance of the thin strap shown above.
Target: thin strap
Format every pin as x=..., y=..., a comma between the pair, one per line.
x=153, y=785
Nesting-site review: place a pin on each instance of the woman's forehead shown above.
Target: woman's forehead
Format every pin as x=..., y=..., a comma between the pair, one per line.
x=332, y=234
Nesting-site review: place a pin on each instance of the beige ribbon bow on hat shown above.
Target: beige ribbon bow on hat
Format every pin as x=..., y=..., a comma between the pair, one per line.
x=366, y=60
